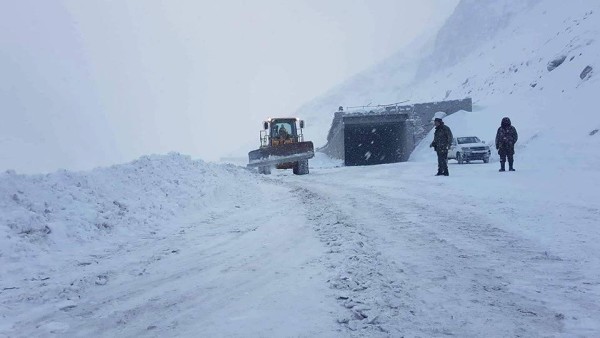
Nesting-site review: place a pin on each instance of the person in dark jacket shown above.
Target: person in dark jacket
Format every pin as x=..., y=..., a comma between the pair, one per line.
x=506, y=137
x=442, y=140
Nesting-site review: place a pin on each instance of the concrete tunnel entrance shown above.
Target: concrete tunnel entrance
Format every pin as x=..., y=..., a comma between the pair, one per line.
x=373, y=143
x=368, y=138
x=385, y=133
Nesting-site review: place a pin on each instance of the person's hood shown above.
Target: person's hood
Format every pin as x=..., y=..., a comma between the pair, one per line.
x=505, y=122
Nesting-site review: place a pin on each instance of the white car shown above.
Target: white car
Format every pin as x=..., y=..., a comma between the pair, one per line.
x=469, y=148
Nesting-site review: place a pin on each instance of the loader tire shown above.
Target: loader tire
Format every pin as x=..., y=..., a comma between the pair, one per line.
x=301, y=168
x=264, y=170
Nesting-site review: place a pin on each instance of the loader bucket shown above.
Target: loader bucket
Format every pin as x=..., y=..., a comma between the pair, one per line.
x=285, y=153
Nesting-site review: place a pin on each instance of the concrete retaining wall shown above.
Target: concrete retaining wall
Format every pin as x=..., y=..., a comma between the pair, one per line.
x=410, y=123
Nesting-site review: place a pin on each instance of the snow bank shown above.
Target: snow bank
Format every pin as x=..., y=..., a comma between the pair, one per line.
x=321, y=161
x=162, y=246
x=64, y=210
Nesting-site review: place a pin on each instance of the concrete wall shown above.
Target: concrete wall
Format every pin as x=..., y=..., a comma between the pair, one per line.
x=359, y=124
x=415, y=123
x=422, y=113
x=376, y=139
x=335, y=138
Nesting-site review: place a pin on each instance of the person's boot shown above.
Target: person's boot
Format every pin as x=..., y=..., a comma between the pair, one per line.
x=510, y=167
x=502, y=167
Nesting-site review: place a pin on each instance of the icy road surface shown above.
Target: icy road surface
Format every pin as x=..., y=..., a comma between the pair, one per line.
x=358, y=251
x=479, y=253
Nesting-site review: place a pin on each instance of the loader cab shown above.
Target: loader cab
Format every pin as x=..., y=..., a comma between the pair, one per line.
x=282, y=131
x=282, y=127
x=277, y=131
x=282, y=146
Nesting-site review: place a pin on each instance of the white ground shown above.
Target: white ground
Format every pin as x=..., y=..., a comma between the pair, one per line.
x=167, y=246
x=350, y=251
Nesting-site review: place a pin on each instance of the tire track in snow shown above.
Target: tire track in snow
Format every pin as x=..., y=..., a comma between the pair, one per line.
x=450, y=275
x=361, y=284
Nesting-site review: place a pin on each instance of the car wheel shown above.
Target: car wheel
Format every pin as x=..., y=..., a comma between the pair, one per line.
x=459, y=158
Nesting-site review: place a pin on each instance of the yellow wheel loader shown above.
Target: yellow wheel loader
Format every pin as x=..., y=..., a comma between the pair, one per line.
x=282, y=146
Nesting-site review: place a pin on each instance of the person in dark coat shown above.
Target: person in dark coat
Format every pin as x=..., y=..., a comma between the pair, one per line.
x=506, y=137
x=442, y=140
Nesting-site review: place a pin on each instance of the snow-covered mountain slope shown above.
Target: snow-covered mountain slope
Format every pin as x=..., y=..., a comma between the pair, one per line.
x=540, y=72
x=472, y=23
x=382, y=84
x=537, y=64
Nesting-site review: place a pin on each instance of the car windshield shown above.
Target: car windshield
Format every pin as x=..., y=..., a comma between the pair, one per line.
x=465, y=140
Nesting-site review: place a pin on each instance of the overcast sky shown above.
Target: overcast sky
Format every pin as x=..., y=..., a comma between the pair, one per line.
x=87, y=83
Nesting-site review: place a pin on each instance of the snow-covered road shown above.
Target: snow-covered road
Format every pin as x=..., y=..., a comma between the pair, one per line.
x=480, y=253
x=375, y=251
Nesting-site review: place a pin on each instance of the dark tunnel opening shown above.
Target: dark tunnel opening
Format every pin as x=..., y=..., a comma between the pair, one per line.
x=373, y=143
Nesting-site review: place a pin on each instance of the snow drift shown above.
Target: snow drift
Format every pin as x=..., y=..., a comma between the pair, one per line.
x=70, y=211
x=161, y=246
